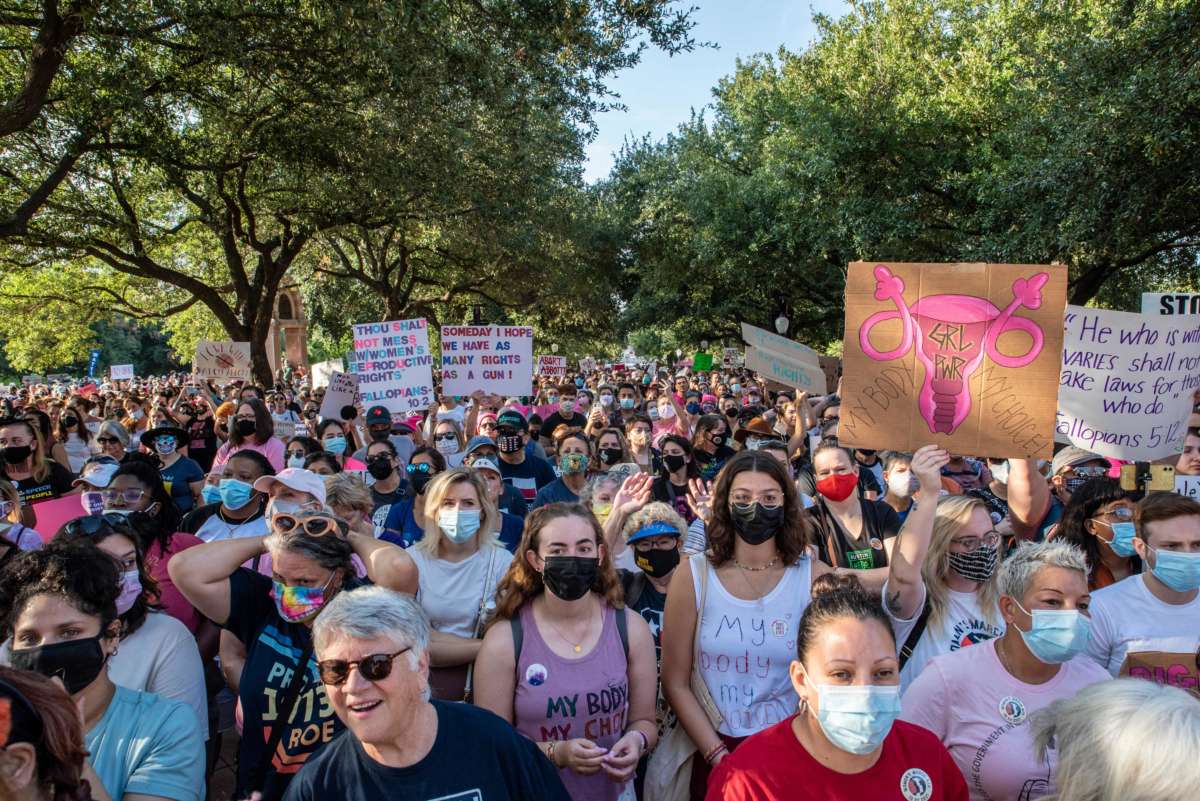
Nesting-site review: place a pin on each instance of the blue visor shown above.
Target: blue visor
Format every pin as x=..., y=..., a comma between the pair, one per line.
x=658, y=528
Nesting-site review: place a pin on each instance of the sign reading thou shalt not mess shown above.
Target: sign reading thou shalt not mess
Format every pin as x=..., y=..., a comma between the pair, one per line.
x=964, y=356
x=393, y=365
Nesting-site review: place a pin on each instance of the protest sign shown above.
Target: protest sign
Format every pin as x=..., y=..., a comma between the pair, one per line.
x=493, y=358
x=121, y=372
x=782, y=369
x=93, y=360
x=29, y=380
x=1165, y=660
x=964, y=356
x=587, y=364
x=832, y=367
x=222, y=360
x=764, y=340
x=321, y=371
x=702, y=361
x=552, y=366
x=393, y=365
x=1188, y=486
x=53, y=513
x=1127, y=382
x=341, y=392
x=730, y=357
x=1171, y=303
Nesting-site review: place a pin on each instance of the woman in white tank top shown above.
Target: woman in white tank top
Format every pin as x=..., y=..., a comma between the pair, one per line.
x=756, y=580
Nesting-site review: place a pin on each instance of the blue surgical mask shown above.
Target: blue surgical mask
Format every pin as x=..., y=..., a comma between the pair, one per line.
x=459, y=525
x=1058, y=635
x=627, y=403
x=1179, y=571
x=1123, y=535
x=858, y=717
x=296, y=462
x=334, y=445
x=211, y=493
x=735, y=388
x=235, y=494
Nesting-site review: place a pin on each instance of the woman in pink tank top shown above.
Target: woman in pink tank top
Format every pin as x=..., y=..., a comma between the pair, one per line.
x=565, y=662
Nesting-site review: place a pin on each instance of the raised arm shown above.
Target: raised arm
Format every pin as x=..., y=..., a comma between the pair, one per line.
x=633, y=495
x=1028, y=496
x=387, y=564
x=905, y=587
x=202, y=573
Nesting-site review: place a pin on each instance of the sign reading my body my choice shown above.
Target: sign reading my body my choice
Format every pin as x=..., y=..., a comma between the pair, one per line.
x=497, y=359
x=394, y=365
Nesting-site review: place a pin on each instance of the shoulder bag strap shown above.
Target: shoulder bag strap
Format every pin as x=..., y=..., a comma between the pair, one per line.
x=287, y=705
x=914, y=636
x=518, y=638
x=623, y=630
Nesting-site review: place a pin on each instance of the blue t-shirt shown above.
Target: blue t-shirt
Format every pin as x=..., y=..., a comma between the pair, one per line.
x=529, y=476
x=476, y=756
x=177, y=477
x=511, y=529
x=556, y=491
x=401, y=527
x=147, y=744
x=513, y=502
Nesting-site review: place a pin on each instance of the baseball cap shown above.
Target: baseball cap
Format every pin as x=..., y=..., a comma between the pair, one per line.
x=98, y=471
x=486, y=463
x=378, y=415
x=478, y=441
x=658, y=528
x=1071, y=456
x=295, y=478
x=512, y=418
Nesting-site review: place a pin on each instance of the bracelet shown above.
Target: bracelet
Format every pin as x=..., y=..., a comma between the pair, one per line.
x=645, y=740
x=550, y=752
x=713, y=752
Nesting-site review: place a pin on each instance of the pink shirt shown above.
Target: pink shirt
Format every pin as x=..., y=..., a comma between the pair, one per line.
x=273, y=449
x=978, y=710
x=172, y=600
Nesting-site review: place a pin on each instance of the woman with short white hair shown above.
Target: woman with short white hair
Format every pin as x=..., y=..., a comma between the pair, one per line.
x=460, y=562
x=976, y=700
x=1123, y=740
x=401, y=744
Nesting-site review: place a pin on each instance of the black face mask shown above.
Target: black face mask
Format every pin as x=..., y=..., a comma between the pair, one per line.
x=718, y=440
x=674, y=462
x=756, y=523
x=570, y=577
x=655, y=563
x=380, y=468
x=420, y=481
x=731, y=412
x=15, y=454
x=509, y=443
x=380, y=436
x=610, y=456
x=76, y=662
x=245, y=428
x=69, y=421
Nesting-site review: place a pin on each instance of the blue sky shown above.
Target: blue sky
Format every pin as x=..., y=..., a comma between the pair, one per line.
x=661, y=91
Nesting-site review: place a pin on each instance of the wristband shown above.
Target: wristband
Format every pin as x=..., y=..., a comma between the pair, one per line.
x=712, y=753
x=550, y=752
x=645, y=740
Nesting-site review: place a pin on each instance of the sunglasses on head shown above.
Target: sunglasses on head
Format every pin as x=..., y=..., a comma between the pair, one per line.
x=313, y=525
x=375, y=667
x=94, y=524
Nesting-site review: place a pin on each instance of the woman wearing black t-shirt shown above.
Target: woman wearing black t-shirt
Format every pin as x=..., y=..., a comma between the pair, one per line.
x=23, y=462
x=671, y=483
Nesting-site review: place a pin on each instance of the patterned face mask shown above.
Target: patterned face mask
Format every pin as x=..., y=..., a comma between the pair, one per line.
x=573, y=463
x=299, y=604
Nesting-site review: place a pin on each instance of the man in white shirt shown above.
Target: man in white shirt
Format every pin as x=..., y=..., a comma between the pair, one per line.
x=1149, y=625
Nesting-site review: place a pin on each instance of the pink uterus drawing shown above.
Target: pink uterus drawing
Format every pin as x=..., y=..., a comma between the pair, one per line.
x=956, y=331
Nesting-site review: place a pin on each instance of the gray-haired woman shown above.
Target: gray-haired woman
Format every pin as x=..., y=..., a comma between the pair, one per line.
x=373, y=646
x=976, y=700
x=112, y=439
x=310, y=564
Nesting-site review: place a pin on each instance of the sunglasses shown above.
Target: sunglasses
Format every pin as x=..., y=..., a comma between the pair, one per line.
x=107, y=440
x=375, y=667
x=314, y=525
x=94, y=524
x=418, y=468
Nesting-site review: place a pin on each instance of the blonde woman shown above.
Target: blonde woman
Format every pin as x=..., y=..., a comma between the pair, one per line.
x=460, y=560
x=941, y=592
x=449, y=441
x=350, y=499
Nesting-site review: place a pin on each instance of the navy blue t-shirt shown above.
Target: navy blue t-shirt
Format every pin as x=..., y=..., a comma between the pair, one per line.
x=178, y=476
x=529, y=476
x=556, y=491
x=476, y=756
x=511, y=529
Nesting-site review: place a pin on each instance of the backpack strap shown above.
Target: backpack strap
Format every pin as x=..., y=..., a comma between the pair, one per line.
x=623, y=629
x=518, y=637
x=914, y=636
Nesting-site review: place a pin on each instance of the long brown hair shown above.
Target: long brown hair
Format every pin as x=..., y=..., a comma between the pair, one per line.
x=794, y=535
x=522, y=583
x=264, y=423
x=61, y=751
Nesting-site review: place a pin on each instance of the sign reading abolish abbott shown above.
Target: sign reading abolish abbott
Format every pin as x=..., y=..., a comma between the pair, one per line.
x=393, y=365
x=497, y=359
x=783, y=360
x=1127, y=382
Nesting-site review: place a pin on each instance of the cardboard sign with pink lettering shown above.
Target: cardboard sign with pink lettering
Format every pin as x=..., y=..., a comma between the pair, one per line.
x=1169, y=660
x=965, y=356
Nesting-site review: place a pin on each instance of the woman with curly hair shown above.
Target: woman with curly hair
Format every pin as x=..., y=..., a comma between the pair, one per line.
x=731, y=613
x=1099, y=521
x=565, y=662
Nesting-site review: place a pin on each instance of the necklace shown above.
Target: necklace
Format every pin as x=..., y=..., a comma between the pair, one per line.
x=576, y=646
x=767, y=566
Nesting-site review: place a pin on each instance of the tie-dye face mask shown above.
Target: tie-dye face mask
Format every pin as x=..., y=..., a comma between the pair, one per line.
x=299, y=604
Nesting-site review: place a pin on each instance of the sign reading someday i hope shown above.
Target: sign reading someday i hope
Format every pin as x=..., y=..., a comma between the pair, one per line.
x=393, y=365
x=497, y=359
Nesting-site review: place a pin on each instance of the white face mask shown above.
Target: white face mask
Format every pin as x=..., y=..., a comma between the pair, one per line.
x=902, y=483
x=666, y=412
x=1000, y=472
x=606, y=400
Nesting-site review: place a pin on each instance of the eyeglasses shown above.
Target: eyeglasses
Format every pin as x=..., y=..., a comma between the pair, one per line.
x=767, y=499
x=313, y=525
x=296, y=454
x=445, y=437
x=1093, y=471
x=1123, y=513
x=990, y=539
x=645, y=546
x=94, y=524
x=375, y=667
x=127, y=495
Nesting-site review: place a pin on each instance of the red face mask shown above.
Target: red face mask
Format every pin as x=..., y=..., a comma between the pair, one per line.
x=837, y=487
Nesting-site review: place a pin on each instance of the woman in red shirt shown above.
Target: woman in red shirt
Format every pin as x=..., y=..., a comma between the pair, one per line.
x=845, y=742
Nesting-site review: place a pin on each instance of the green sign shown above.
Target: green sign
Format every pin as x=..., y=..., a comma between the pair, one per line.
x=702, y=361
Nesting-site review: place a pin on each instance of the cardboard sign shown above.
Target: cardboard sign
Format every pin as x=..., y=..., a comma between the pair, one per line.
x=341, y=392
x=832, y=367
x=1188, y=486
x=552, y=366
x=1171, y=303
x=965, y=356
x=121, y=372
x=497, y=359
x=393, y=365
x=1169, y=660
x=222, y=360
x=775, y=367
x=764, y=340
x=729, y=357
x=702, y=361
x=587, y=364
x=321, y=372
x=1127, y=382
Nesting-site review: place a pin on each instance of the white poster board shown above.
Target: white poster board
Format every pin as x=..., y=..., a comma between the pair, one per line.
x=321, y=372
x=792, y=351
x=222, y=360
x=497, y=359
x=121, y=372
x=393, y=365
x=551, y=366
x=1171, y=304
x=1127, y=381
x=1188, y=486
x=784, y=370
x=341, y=392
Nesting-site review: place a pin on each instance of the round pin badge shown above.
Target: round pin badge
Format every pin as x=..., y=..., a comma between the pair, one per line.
x=915, y=785
x=536, y=674
x=1012, y=710
x=876, y=544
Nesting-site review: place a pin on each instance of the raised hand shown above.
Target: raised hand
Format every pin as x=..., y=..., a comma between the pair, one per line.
x=700, y=499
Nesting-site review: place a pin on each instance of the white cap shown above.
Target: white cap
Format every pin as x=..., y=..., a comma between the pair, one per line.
x=97, y=471
x=295, y=478
x=484, y=463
